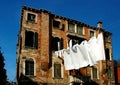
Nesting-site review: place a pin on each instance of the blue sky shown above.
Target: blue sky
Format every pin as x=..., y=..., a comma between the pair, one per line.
x=87, y=11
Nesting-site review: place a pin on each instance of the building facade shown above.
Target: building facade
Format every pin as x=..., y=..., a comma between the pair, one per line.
x=41, y=34
x=117, y=75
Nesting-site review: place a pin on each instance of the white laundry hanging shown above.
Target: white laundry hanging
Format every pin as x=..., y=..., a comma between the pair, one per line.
x=83, y=48
x=93, y=50
x=101, y=47
x=59, y=53
x=87, y=53
x=68, y=60
x=81, y=56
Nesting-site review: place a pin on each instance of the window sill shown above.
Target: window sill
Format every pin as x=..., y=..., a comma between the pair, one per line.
x=28, y=47
x=33, y=22
x=57, y=78
x=32, y=76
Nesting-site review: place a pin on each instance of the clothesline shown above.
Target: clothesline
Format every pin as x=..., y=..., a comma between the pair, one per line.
x=83, y=54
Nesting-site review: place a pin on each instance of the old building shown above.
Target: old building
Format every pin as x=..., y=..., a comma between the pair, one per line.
x=117, y=74
x=41, y=34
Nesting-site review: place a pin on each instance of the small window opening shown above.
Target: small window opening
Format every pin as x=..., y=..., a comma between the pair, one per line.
x=56, y=24
x=29, y=67
x=91, y=34
x=31, y=39
x=57, y=70
x=107, y=51
x=79, y=29
x=31, y=17
x=57, y=43
x=94, y=72
x=71, y=27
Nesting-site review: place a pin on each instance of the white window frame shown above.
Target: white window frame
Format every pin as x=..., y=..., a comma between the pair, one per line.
x=75, y=27
x=25, y=67
x=92, y=72
x=93, y=31
x=31, y=13
x=83, y=31
x=62, y=70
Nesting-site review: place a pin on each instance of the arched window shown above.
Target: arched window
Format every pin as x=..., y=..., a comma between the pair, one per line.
x=29, y=67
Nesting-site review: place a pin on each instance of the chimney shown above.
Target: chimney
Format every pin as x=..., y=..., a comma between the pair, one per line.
x=99, y=25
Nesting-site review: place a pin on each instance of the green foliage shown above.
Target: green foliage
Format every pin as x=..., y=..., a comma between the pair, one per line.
x=3, y=76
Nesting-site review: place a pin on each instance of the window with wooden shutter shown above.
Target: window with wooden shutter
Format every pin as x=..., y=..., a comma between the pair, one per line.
x=57, y=70
x=29, y=68
x=71, y=27
x=80, y=29
x=31, y=39
x=91, y=33
x=109, y=73
x=94, y=73
x=57, y=43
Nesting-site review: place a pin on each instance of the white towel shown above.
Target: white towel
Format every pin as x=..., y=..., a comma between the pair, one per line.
x=70, y=44
x=87, y=53
x=93, y=50
x=101, y=47
x=84, y=50
x=68, y=60
x=82, y=54
x=75, y=57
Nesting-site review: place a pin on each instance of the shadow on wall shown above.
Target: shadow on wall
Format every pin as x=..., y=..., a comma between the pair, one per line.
x=86, y=79
x=116, y=66
x=24, y=80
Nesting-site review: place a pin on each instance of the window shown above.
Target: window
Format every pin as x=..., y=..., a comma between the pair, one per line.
x=71, y=27
x=91, y=33
x=109, y=73
x=31, y=39
x=107, y=38
x=75, y=40
x=58, y=25
x=107, y=52
x=29, y=67
x=79, y=29
x=94, y=73
x=31, y=17
x=57, y=43
x=57, y=70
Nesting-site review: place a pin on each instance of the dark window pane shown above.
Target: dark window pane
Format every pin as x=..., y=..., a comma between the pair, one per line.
x=80, y=30
x=91, y=33
x=31, y=17
x=94, y=72
x=57, y=43
x=57, y=70
x=109, y=73
x=36, y=40
x=56, y=24
x=29, y=68
x=31, y=39
x=71, y=27
x=107, y=54
x=61, y=44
